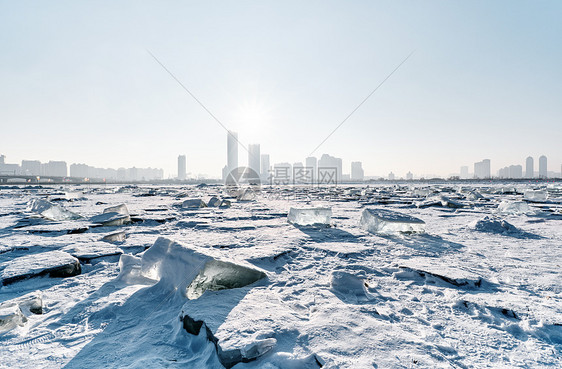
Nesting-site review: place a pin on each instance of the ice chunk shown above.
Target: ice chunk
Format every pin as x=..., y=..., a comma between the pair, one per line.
x=535, y=195
x=120, y=209
x=382, y=221
x=214, y=202
x=219, y=275
x=11, y=317
x=515, y=208
x=111, y=219
x=178, y=267
x=310, y=216
x=493, y=224
x=117, y=237
x=193, y=204
x=421, y=192
x=51, y=211
x=248, y=194
x=52, y=263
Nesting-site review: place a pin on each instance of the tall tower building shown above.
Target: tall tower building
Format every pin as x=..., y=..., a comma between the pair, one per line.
x=311, y=163
x=254, y=158
x=357, y=173
x=529, y=168
x=264, y=167
x=182, y=167
x=482, y=169
x=542, y=167
x=232, y=151
x=464, y=172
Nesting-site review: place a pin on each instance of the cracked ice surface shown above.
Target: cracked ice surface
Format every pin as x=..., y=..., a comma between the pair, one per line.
x=465, y=293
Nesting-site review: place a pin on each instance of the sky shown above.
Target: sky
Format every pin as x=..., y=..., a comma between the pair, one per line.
x=77, y=82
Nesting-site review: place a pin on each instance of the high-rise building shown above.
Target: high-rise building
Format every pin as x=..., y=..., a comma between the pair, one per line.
x=529, y=168
x=357, y=173
x=182, y=167
x=543, y=167
x=409, y=176
x=264, y=167
x=254, y=158
x=391, y=176
x=232, y=151
x=312, y=163
x=328, y=163
x=31, y=167
x=2, y=159
x=54, y=169
x=515, y=171
x=464, y=172
x=482, y=169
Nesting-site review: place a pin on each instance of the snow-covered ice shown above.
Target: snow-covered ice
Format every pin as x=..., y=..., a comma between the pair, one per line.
x=242, y=287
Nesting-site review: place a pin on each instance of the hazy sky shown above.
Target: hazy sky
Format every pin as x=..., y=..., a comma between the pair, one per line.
x=77, y=82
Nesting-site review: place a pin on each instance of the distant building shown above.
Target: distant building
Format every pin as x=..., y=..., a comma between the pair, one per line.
x=409, y=176
x=515, y=171
x=282, y=174
x=529, y=168
x=482, y=169
x=254, y=158
x=328, y=163
x=391, y=176
x=232, y=150
x=464, y=172
x=312, y=163
x=357, y=173
x=182, y=167
x=54, y=169
x=31, y=167
x=2, y=159
x=264, y=167
x=543, y=167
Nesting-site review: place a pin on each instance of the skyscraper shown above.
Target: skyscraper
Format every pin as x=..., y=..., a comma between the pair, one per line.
x=542, y=167
x=264, y=170
x=232, y=151
x=311, y=163
x=357, y=173
x=182, y=167
x=482, y=169
x=254, y=158
x=464, y=172
x=529, y=168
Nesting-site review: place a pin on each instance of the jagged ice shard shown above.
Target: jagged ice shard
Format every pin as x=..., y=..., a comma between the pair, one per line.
x=51, y=211
x=310, y=216
x=385, y=222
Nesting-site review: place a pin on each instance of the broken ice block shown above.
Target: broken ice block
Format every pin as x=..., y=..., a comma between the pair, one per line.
x=11, y=316
x=52, y=263
x=310, y=216
x=535, y=195
x=191, y=273
x=120, y=209
x=193, y=204
x=51, y=211
x=220, y=275
x=514, y=208
x=113, y=216
x=249, y=194
x=381, y=221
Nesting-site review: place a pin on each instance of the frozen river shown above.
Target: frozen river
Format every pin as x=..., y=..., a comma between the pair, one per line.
x=473, y=279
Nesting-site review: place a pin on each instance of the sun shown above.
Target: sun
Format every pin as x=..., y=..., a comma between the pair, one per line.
x=251, y=119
